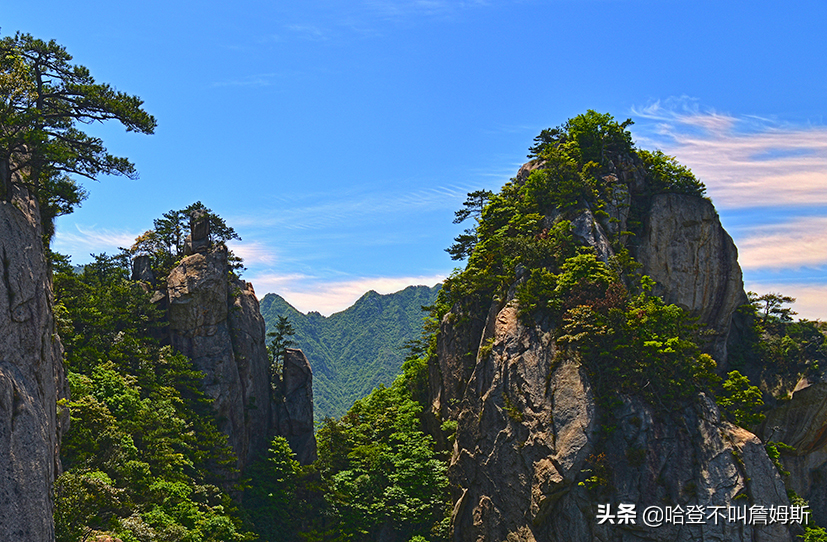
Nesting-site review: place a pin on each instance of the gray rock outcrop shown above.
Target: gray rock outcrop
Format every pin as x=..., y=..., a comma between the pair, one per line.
x=295, y=413
x=694, y=262
x=526, y=437
x=142, y=270
x=526, y=465
x=31, y=376
x=801, y=424
x=214, y=320
x=198, y=240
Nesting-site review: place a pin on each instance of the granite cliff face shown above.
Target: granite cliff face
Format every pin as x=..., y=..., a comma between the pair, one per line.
x=694, y=263
x=214, y=320
x=800, y=422
x=31, y=376
x=527, y=429
x=525, y=464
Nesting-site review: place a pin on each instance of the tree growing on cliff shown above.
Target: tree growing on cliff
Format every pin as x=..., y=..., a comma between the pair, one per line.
x=165, y=242
x=280, y=341
x=770, y=307
x=465, y=242
x=740, y=401
x=43, y=97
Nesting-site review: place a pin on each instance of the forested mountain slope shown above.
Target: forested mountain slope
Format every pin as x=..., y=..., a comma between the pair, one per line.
x=355, y=350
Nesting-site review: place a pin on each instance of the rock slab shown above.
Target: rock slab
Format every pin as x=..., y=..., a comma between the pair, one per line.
x=31, y=376
x=694, y=262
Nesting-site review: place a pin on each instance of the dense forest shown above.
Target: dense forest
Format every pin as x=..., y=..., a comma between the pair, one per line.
x=143, y=457
x=144, y=461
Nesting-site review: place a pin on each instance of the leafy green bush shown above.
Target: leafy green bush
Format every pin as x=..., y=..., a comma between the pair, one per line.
x=633, y=344
x=665, y=174
x=740, y=401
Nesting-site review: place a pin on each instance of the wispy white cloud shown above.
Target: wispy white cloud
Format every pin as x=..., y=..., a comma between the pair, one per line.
x=264, y=79
x=255, y=80
x=318, y=211
x=254, y=252
x=744, y=161
x=790, y=245
x=362, y=18
x=771, y=167
x=308, y=293
x=397, y=9
x=92, y=239
x=811, y=299
x=308, y=31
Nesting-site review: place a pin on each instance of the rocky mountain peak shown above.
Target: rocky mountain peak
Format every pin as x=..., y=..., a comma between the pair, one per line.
x=214, y=319
x=557, y=417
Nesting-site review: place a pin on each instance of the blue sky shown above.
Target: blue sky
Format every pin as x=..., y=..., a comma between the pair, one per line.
x=338, y=137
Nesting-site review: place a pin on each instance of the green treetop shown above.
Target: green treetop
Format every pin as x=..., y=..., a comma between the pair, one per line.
x=165, y=242
x=280, y=341
x=43, y=97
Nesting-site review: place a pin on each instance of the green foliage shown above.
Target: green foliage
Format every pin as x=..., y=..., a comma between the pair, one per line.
x=740, y=401
x=473, y=206
x=165, y=243
x=815, y=534
x=527, y=225
x=143, y=457
x=774, y=451
x=631, y=344
x=544, y=140
x=377, y=471
x=559, y=183
x=596, y=137
x=271, y=500
x=665, y=174
x=358, y=349
x=598, y=472
x=381, y=469
x=812, y=532
x=773, y=342
x=770, y=307
x=85, y=502
x=590, y=137
x=511, y=409
x=42, y=99
x=277, y=347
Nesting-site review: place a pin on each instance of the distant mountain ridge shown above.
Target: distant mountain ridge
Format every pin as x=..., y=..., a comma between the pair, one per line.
x=354, y=351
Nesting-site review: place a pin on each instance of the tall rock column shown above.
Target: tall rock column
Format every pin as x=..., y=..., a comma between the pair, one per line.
x=201, y=300
x=31, y=376
x=296, y=409
x=214, y=319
